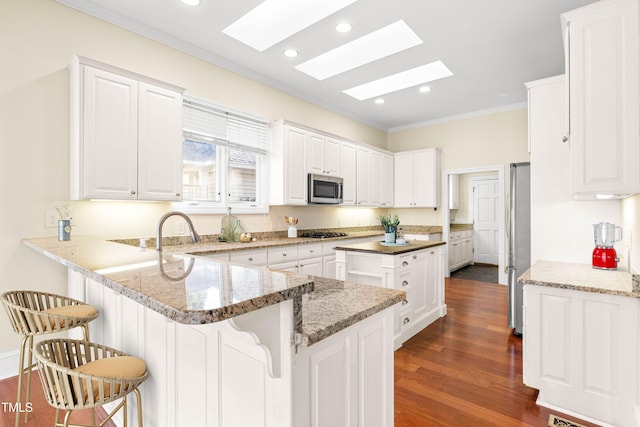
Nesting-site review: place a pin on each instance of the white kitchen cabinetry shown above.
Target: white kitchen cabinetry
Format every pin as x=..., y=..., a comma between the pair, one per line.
x=255, y=257
x=362, y=176
x=339, y=381
x=287, y=165
x=417, y=179
x=419, y=273
x=126, y=135
x=454, y=191
x=386, y=181
x=601, y=45
x=580, y=350
x=460, y=249
x=324, y=155
x=306, y=259
x=348, y=156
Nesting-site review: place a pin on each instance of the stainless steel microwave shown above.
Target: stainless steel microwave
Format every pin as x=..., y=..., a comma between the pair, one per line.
x=323, y=189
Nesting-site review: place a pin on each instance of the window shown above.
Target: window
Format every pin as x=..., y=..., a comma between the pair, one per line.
x=224, y=160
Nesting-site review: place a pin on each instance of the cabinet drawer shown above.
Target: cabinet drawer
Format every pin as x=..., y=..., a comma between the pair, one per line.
x=404, y=281
x=310, y=251
x=257, y=257
x=468, y=234
x=282, y=254
x=404, y=319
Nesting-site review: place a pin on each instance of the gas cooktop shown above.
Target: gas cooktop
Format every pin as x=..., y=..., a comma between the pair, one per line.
x=323, y=234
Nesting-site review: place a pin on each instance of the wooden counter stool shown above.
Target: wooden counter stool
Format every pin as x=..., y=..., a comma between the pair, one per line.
x=36, y=313
x=79, y=374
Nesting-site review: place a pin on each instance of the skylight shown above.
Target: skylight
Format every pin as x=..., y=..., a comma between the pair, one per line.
x=413, y=77
x=275, y=20
x=386, y=41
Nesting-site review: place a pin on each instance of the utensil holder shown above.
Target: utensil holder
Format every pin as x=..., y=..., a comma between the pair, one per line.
x=292, y=232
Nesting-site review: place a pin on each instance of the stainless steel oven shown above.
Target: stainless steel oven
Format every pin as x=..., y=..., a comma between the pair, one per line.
x=323, y=189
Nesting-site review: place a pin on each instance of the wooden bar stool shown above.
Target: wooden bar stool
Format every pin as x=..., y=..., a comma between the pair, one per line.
x=79, y=374
x=36, y=313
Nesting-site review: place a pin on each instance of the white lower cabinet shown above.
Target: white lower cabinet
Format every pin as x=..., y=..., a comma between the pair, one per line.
x=338, y=381
x=245, y=371
x=580, y=349
x=419, y=273
x=460, y=249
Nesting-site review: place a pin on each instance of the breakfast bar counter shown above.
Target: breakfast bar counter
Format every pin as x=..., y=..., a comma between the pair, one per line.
x=220, y=337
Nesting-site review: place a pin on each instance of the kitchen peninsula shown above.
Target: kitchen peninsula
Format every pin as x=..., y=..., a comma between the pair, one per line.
x=220, y=338
x=416, y=267
x=580, y=340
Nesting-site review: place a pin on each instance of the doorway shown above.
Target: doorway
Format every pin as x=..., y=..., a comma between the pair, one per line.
x=491, y=172
x=485, y=196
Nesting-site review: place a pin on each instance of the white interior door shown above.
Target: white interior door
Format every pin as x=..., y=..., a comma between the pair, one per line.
x=486, y=197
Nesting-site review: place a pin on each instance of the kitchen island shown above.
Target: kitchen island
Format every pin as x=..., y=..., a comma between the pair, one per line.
x=416, y=268
x=231, y=345
x=581, y=341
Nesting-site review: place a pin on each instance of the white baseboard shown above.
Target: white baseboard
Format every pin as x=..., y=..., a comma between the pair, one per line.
x=9, y=364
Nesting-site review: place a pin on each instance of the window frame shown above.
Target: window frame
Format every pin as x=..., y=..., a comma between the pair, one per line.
x=223, y=146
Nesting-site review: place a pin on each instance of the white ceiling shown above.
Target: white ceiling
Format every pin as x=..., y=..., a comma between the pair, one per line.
x=492, y=47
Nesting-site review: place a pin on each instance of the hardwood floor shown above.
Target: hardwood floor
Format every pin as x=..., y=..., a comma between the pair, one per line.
x=42, y=414
x=466, y=368
x=463, y=370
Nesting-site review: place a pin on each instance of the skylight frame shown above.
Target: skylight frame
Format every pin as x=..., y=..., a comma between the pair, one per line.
x=405, y=79
x=386, y=41
x=273, y=21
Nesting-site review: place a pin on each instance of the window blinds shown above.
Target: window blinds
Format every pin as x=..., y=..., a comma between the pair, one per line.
x=206, y=122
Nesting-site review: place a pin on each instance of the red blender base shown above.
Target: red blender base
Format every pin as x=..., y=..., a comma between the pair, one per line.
x=605, y=258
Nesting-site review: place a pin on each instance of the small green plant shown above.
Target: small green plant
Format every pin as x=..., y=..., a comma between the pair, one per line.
x=389, y=223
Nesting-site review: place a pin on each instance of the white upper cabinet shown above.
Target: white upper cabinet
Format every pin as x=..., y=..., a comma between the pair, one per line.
x=386, y=181
x=602, y=68
x=324, y=155
x=417, y=179
x=287, y=165
x=126, y=135
x=348, y=166
x=362, y=176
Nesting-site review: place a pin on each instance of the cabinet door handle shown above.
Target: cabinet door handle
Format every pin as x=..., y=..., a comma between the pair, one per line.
x=284, y=254
x=565, y=138
x=405, y=283
x=133, y=192
x=405, y=302
x=177, y=194
x=405, y=263
x=406, y=320
x=250, y=259
x=415, y=257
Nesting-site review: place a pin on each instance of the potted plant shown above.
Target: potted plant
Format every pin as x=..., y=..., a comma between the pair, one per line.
x=390, y=227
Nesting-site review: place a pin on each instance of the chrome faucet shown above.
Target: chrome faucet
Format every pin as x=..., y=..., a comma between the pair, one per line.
x=192, y=231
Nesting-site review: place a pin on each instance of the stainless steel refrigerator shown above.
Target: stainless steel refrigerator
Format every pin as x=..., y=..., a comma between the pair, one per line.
x=519, y=238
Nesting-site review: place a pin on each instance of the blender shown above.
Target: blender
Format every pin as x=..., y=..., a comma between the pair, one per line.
x=605, y=235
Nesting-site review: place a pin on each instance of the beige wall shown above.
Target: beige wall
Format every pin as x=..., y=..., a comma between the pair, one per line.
x=485, y=140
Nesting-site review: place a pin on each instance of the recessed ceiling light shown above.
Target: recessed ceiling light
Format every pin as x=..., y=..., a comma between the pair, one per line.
x=424, y=89
x=386, y=41
x=275, y=20
x=290, y=53
x=379, y=101
x=416, y=76
x=191, y=2
x=344, y=27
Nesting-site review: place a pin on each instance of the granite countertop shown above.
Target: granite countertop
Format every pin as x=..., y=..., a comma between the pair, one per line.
x=194, y=290
x=582, y=277
x=460, y=227
x=380, y=248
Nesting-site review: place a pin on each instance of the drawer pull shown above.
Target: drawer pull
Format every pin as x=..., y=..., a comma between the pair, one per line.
x=250, y=259
x=405, y=263
x=406, y=320
x=415, y=257
x=405, y=302
x=284, y=254
x=405, y=283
